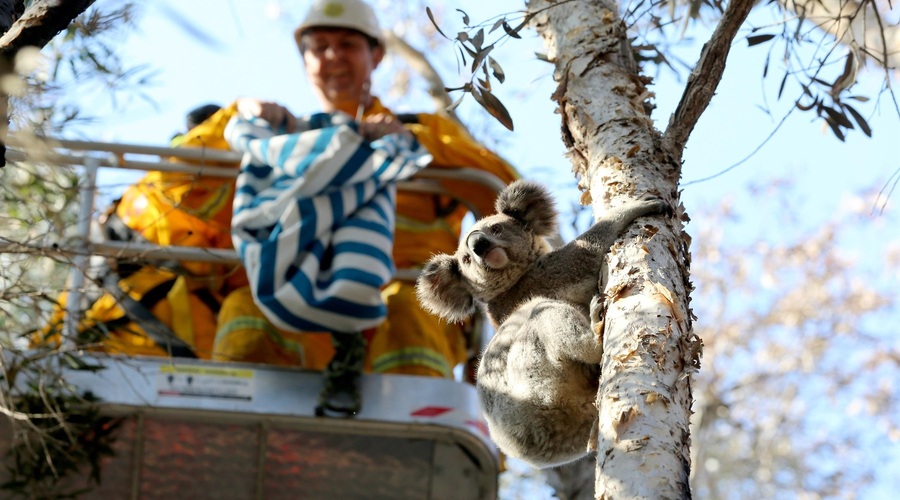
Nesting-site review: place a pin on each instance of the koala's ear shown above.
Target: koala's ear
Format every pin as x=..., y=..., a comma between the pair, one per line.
x=531, y=204
x=441, y=289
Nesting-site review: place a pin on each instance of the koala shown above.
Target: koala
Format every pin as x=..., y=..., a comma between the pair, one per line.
x=537, y=378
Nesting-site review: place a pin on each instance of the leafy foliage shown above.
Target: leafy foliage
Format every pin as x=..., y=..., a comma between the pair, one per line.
x=820, y=53
x=828, y=99
x=82, y=62
x=57, y=434
x=37, y=206
x=471, y=42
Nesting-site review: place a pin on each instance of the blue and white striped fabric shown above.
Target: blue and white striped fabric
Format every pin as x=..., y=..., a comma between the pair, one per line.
x=314, y=219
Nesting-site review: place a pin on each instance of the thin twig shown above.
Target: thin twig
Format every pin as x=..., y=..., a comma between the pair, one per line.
x=750, y=155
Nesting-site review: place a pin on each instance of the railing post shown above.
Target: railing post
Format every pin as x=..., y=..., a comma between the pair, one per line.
x=86, y=194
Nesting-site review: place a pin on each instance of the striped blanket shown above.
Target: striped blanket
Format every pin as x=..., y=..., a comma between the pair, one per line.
x=314, y=219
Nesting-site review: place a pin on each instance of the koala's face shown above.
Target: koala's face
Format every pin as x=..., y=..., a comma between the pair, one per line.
x=493, y=256
x=496, y=253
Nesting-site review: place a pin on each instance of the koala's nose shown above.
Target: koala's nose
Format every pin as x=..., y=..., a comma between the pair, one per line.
x=478, y=243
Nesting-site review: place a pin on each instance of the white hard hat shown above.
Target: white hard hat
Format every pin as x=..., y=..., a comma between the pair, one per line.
x=352, y=14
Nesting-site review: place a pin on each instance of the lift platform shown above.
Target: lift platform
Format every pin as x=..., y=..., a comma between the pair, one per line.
x=209, y=430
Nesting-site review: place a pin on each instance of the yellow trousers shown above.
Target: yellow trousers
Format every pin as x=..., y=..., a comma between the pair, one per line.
x=411, y=341
x=106, y=327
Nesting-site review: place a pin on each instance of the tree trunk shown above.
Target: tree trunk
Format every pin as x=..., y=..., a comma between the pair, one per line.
x=650, y=351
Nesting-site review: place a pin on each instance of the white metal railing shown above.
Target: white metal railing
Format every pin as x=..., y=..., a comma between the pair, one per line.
x=94, y=155
x=60, y=151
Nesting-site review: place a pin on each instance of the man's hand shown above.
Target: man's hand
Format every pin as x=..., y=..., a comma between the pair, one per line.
x=377, y=126
x=272, y=112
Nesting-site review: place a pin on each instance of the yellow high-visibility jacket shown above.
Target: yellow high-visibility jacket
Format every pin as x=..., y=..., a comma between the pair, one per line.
x=167, y=208
x=173, y=208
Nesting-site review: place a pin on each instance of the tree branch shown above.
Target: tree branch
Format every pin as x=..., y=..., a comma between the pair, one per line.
x=707, y=74
x=43, y=20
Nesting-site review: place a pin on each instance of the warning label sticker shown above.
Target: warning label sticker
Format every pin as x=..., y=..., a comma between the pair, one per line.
x=205, y=382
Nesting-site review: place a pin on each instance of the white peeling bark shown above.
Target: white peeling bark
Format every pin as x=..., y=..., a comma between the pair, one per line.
x=649, y=348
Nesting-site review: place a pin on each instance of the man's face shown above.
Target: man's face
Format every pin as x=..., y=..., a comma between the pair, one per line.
x=339, y=63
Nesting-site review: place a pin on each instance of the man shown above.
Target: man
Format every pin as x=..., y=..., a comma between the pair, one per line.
x=341, y=45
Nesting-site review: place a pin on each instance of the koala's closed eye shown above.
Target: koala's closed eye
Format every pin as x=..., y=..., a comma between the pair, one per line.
x=496, y=229
x=466, y=259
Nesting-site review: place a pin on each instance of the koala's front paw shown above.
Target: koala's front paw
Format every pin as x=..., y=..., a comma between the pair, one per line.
x=665, y=208
x=442, y=291
x=657, y=206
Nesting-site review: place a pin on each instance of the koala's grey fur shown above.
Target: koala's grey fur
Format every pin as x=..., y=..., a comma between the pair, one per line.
x=537, y=379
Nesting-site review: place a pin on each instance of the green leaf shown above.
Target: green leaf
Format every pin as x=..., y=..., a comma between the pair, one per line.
x=803, y=107
x=493, y=106
x=835, y=128
x=431, y=16
x=455, y=103
x=78, y=363
x=462, y=55
x=758, y=39
x=781, y=87
x=839, y=117
x=465, y=16
x=496, y=69
x=478, y=39
x=479, y=57
x=509, y=31
x=863, y=125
